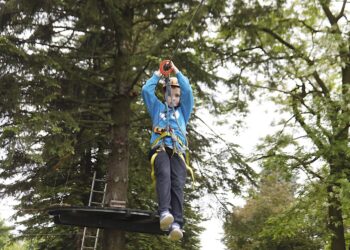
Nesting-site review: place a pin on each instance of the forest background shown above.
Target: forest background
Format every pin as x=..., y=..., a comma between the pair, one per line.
x=70, y=76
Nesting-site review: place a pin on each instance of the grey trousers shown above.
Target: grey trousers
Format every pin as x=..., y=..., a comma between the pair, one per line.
x=170, y=171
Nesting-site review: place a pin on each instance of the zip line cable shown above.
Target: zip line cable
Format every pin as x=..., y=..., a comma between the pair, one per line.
x=187, y=28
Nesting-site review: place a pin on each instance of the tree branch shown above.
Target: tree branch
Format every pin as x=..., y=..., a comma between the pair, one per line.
x=309, y=61
x=278, y=38
x=310, y=132
x=233, y=152
x=137, y=77
x=331, y=18
x=301, y=162
x=341, y=13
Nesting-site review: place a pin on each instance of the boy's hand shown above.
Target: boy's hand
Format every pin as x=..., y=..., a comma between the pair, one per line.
x=158, y=73
x=176, y=70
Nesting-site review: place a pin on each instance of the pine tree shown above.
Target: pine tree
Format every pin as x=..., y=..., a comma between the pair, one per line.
x=70, y=77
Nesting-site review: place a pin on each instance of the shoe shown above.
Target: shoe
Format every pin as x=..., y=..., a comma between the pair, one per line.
x=166, y=218
x=175, y=232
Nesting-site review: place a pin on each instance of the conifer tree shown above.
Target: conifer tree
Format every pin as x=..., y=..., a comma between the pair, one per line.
x=71, y=72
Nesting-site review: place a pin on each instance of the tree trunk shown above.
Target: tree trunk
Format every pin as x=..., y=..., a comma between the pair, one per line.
x=117, y=171
x=339, y=161
x=335, y=220
x=117, y=177
x=346, y=99
x=335, y=212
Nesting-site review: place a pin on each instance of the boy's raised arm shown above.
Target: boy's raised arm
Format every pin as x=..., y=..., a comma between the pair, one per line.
x=148, y=92
x=187, y=101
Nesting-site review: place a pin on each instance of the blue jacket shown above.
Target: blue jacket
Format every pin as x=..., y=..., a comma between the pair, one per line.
x=157, y=110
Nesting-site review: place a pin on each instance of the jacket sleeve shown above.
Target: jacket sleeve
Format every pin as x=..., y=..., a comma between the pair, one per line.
x=187, y=101
x=149, y=96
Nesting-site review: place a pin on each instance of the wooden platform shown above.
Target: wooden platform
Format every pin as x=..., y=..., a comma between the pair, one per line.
x=124, y=219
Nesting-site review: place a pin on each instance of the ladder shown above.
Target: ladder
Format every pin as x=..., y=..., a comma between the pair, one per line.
x=97, y=198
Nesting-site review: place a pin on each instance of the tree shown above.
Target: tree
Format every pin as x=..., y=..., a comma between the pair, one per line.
x=4, y=234
x=70, y=74
x=298, y=52
x=272, y=217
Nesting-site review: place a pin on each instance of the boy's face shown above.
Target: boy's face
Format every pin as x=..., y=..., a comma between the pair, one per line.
x=174, y=99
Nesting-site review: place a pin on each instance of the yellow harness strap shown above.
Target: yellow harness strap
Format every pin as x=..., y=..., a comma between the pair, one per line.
x=165, y=134
x=153, y=176
x=189, y=169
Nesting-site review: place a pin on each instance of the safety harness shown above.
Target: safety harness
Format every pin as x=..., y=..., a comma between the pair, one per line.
x=175, y=151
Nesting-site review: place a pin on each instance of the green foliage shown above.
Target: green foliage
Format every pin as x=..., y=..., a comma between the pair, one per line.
x=4, y=234
x=65, y=65
x=6, y=239
x=296, y=54
x=303, y=222
x=273, y=219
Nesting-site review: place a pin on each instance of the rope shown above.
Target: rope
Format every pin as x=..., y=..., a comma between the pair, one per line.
x=167, y=94
x=210, y=191
x=167, y=82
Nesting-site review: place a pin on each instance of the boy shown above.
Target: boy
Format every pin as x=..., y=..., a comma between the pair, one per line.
x=168, y=145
